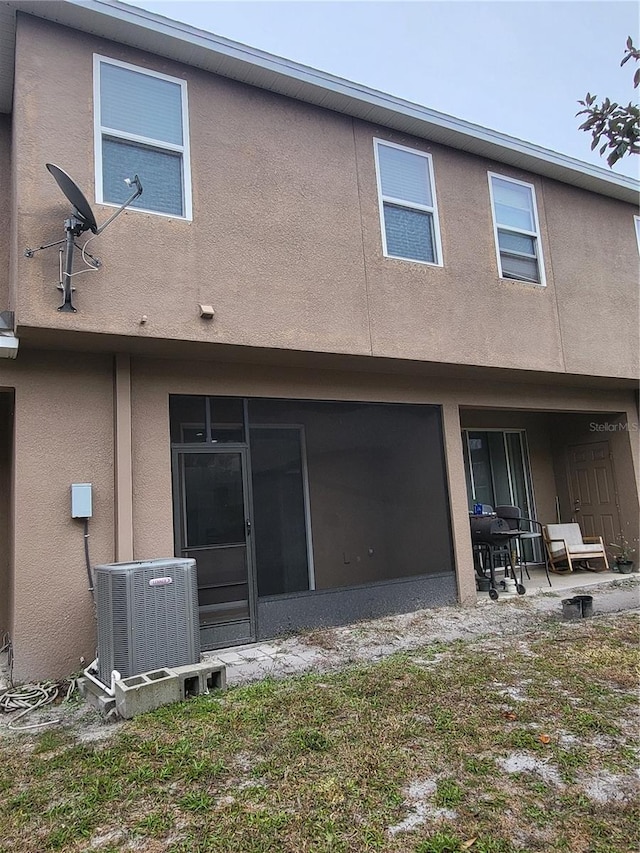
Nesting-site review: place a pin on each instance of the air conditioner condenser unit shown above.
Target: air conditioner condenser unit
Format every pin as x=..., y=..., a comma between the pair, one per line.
x=147, y=614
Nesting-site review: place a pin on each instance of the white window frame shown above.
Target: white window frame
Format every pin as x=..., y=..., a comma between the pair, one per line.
x=100, y=130
x=410, y=205
x=535, y=234
x=636, y=222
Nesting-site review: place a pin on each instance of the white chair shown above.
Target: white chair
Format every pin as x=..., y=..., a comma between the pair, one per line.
x=566, y=545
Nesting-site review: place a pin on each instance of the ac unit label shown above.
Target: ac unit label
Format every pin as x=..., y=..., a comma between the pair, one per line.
x=160, y=581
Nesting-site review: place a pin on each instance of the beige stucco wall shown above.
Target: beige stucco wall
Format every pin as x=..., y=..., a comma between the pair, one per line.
x=463, y=311
x=598, y=303
x=285, y=241
x=63, y=435
x=275, y=241
x=5, y=206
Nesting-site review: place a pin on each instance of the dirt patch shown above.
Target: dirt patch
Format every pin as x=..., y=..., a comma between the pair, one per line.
x=604, y=787
x=520, y=762
x=418, y=799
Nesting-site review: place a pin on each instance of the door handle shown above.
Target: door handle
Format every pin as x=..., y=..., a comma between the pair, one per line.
x=248, y=526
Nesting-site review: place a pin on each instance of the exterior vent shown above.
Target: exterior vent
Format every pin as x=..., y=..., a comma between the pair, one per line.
x=147, y=616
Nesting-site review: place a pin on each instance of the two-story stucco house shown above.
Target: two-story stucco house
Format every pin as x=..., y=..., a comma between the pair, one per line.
x=332, y=322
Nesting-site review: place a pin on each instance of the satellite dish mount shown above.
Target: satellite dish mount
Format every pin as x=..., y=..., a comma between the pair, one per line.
x=81, y=220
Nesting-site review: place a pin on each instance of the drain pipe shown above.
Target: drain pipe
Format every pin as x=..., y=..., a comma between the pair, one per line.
x=115, y=676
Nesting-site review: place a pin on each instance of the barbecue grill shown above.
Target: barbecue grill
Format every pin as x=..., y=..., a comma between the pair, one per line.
x=489, y=530
x=491, y=537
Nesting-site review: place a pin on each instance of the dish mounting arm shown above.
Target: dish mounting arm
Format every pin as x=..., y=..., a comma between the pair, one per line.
x=130, y=200
x=73, y=227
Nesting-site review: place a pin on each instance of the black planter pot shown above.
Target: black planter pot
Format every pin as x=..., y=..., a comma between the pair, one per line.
x=625, y=568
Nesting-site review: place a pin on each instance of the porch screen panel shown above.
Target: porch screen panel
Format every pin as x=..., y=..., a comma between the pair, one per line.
x=213, y=500
x=378, y=500
x=227, y=420
x=279, y=514
x=187, y=418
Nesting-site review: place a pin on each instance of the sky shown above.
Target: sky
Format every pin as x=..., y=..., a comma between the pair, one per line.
x=516, y=66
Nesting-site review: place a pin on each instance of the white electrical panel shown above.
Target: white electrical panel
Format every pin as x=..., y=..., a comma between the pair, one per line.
x=81, y=500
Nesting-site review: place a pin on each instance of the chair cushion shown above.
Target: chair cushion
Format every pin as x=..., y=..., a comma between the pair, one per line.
x=585, y=549
x=571, y=534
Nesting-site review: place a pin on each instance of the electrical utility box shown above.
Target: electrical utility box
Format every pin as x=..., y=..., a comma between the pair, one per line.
x=81, y=500
x=147, y=616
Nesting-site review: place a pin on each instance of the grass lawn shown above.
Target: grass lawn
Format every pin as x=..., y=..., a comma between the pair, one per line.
x=498, y=745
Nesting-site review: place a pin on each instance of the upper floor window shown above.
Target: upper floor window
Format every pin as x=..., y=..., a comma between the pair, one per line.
x=636, y=220
x=515, y=222
x=141, y=127
x=408, y=212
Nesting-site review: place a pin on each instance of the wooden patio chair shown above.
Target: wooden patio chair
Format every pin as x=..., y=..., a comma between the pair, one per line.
x=567, y=547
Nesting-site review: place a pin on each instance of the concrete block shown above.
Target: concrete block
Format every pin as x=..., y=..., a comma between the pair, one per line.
x=88, y=688
x=147, y=691
x=199, y=678
x=96, y=696
x=138, y=694
x=106, y=704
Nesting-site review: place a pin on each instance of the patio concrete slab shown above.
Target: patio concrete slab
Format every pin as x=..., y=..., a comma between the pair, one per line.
x=228, y=656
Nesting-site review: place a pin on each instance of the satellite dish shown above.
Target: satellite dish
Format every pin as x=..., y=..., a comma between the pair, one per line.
x=75, y=196
x=81, y=220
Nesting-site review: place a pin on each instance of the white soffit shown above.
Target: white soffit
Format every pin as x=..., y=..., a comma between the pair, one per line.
x=153, y=33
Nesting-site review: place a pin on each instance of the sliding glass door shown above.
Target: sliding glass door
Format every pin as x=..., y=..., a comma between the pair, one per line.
x=497, y=471
x=497, y=468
